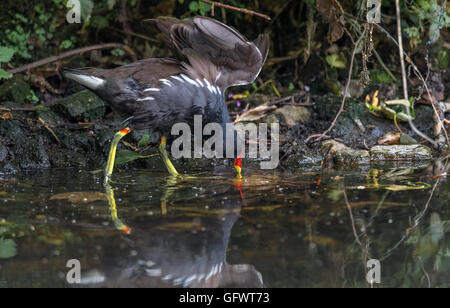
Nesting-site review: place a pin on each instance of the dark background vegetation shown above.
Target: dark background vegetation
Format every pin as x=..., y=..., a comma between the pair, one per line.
x=307, y=46
x=311, y=47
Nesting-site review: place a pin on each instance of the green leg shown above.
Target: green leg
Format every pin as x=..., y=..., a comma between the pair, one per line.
x=113, y=211
x=166, y=159
x=112, y=153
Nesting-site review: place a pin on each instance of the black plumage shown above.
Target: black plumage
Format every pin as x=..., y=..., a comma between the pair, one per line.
x=157, y=93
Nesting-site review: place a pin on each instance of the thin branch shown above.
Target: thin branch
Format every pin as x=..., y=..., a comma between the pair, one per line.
x=419, y=75
x=47, y=126
x=226, y=6
x=72, y=53
x=400, y=50
x=349, y=78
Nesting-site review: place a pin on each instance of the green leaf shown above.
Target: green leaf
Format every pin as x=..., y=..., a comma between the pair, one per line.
x=66, y=44
x=336, y=60
x=291, y=86
x=193, y=6
x=7, y=248
x=4, y=75
x=204, y=8
x=86, y=9
x=443, y=58
x=111, y=4
x=126, y=156
x=6, y=54
x=117, y=52
x=144, y=140
x=378, y=76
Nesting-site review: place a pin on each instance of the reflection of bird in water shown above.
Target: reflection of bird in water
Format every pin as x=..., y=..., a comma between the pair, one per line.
x=186, y=253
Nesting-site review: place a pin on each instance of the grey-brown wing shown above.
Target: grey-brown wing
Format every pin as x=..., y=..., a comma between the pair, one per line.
x=147, y=72
x=214, y=50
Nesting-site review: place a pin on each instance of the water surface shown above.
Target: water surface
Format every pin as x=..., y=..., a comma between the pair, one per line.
x=272, y=229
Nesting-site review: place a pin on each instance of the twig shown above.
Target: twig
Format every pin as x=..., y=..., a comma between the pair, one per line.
x=293, y=56
x=49, y=129
x=17, y=109
x=419, y=75
x=400, y=50
x=377, y=55
x=226, y=6
x=72, y=53
x=138, y=35
x=290, y=100
x=349, y=78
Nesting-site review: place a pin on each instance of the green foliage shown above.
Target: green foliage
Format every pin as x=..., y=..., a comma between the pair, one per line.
x=43, y=25
x=126, y=156
x=378, y=76
x=67, y=44
x=118, y=52
x=111, y=4
x=86, y=9
x=443, y=58
x=337, y=60
x=6, y=55
x=426, y=15
x=198, y=7
x=144, y=140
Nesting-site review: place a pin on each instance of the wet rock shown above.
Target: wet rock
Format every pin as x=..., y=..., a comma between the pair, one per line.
x=407, y=140
x=63, y=158
x=16, y=89
x=356, y=126
x=295, y=153
x=3, y=152
x=340, y=155
x=355, y=89
x=83, y=106
x=413, y=152
x=48, y=116
x=290, y=115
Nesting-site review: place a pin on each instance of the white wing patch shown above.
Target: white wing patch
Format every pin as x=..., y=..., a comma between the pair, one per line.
x=148, y=98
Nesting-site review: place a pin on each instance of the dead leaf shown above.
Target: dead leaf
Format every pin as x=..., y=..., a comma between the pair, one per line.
x=332, y=13
x=321, y=240
x=390, y=139
x=6, y=116
x=80, y=197
x=395, y=187
x=254, y=114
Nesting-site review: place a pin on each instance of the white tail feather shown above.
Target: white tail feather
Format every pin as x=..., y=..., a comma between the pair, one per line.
x=90, y=82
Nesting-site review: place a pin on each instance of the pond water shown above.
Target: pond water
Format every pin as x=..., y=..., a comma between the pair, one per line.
x=270, y=229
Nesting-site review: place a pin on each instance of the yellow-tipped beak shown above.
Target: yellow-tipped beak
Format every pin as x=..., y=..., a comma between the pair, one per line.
x=238, y=167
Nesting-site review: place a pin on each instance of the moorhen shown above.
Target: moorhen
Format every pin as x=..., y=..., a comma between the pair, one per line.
x=160, y=92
